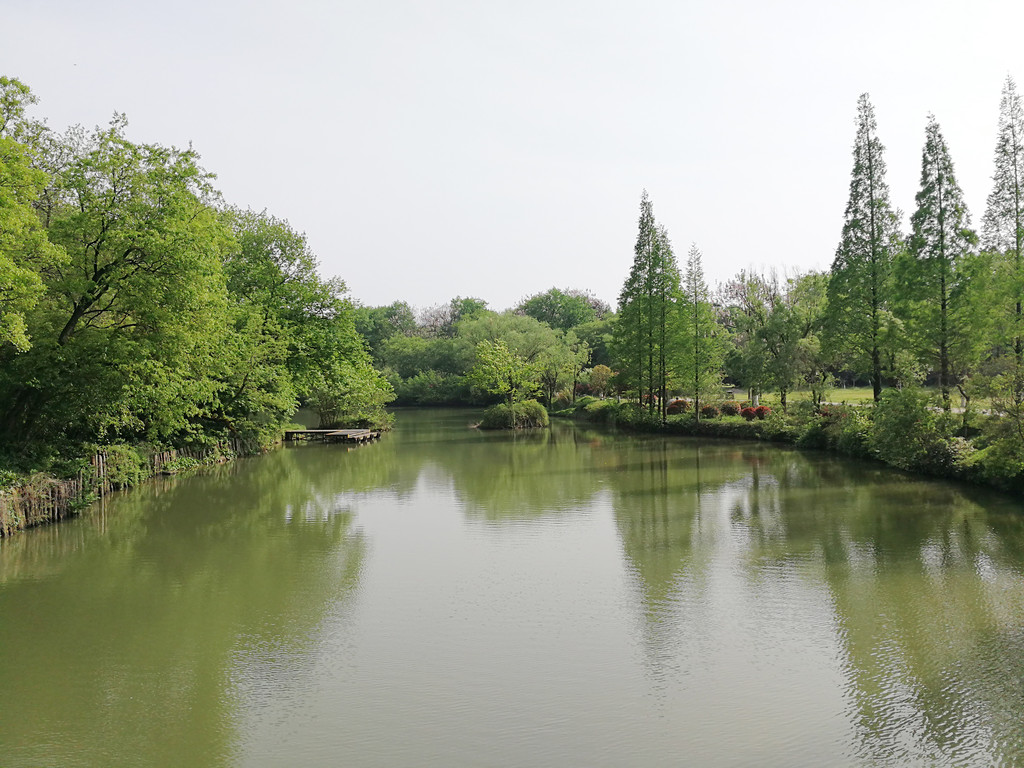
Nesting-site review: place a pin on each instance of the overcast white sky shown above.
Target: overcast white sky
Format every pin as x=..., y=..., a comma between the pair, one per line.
x=496, y=149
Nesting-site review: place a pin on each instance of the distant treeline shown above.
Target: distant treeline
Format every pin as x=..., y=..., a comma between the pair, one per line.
x=939, y=305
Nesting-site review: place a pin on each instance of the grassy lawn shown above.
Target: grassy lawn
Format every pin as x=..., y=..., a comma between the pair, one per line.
x=861, y=396
x=850, y=395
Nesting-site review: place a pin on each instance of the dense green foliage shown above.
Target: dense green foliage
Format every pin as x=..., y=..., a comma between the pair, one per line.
x=564, y=310
x=938, y=283
x=527, y=414
x=648, y=315
x=135, y=306
x=1003, y=239
x=701, y=351
x=860, y=291
x=476, y=355
x=896, y=311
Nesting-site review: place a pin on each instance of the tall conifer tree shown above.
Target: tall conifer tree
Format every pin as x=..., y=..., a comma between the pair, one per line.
x=646, y=308
x=630, y=330
x=702, y=344
x=935, y=271
x=859, y=291
x=1003, y=223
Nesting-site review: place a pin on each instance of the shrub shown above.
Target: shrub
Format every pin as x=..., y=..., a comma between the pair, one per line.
x=848, y=429
x=709, y=411
x=813, y=433
x=123, y=465
x=679, y=405
x=1001, y=463
x=602, y=411
x=179, y=464
x=583, y=402
x=528, y=414
x=730, y=408
x=562, y=400
x=909, y=434
x=762, y=412
x=8, y=478
x=636, y=416
x=777, y=427
x=748, y=413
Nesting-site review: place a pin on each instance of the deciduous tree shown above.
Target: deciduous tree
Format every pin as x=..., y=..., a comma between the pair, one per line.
x=125, y=336
x=25, y=250
x=501, y=371
x=564, y=310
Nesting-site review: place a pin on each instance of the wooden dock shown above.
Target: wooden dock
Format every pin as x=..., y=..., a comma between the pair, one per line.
x=333, y=435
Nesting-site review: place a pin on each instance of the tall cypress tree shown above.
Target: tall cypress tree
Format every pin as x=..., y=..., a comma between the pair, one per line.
x=860, y=287
x=642, y=332
x=1003, y=222
x=666, y=286
x=631, y=330
x=701, y=341
x=935, y=288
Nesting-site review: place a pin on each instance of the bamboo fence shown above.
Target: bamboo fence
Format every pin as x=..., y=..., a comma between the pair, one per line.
x=42, y=499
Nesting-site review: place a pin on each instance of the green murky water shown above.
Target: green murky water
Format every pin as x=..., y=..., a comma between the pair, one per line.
x=448, y=597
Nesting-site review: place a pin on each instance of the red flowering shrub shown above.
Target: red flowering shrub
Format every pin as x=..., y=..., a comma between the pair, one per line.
x=730, y=408
x=678, y=406
x=762, y=411
x=709, y=411
x=748, y=413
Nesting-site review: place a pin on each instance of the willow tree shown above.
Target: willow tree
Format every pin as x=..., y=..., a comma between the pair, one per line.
x=1003, y=226
x=647, y=313
x=701, y=342
x=860, y=287
x=935, y=287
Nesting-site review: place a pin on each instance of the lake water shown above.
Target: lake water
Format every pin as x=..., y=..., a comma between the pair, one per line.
x=573, y=597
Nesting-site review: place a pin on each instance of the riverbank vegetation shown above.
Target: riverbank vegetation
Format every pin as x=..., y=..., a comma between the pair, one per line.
x=937, y=306
x=926, y=322
x=138, y=308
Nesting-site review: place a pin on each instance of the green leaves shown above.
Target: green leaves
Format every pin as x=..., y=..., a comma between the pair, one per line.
x=934, y=289
x=295, y=334
x=502, y=372
x=860, y=287
x=151, y=314
x=563, y=310
x=701, y=343
x=647, y=308
x=25, y=251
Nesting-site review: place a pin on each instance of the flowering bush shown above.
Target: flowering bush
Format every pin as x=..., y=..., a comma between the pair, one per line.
x=748, y=413
x=709, y=411
x=678, y=406
x=730, y=408
x=762, y=411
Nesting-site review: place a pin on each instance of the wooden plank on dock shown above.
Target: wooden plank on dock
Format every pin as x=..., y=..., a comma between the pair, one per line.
x=343, y=435
x=352, y=435
x=294, y=434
